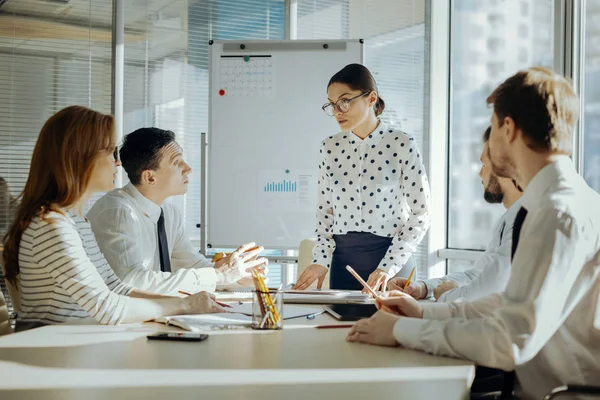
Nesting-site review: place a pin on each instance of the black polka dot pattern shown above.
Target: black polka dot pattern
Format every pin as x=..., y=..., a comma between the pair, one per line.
x=376, y=185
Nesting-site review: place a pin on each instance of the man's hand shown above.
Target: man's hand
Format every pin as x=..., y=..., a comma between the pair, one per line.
x=416, y=289
x=239, y=264
x=443, y=288
x=400, y=304
x=377, y=330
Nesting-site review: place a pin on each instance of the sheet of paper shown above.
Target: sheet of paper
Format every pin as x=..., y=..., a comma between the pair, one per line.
x=285, y=190
x=214, y=319
x=247, y=76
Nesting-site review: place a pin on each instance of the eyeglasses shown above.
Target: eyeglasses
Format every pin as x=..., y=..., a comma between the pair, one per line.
x=342, y=105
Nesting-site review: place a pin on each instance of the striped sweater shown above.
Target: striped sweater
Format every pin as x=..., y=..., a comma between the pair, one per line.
x=64, y=276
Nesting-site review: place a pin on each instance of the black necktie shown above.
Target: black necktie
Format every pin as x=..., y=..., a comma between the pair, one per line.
x=163, y=244
x=509, y=376
x=517, y=230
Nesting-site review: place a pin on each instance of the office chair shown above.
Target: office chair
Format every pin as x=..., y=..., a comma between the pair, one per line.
x=570, y=390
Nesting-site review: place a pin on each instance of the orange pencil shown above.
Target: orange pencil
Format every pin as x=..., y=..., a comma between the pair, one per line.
x=362, y=282
x=410, y=277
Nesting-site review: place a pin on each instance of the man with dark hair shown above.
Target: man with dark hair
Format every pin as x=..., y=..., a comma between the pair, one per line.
x=142, y=235
x=546, y=323
x=491, y=272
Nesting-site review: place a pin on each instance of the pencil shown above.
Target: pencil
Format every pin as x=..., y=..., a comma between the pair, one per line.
x=334, y=326
x=362, y=282
x=409, y=277
x=218, y=302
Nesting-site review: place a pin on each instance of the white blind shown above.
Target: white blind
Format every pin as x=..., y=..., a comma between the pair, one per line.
x=52, y=54
x=395, y=49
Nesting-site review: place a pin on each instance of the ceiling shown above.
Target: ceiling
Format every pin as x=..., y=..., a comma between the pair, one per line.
x=73, y=27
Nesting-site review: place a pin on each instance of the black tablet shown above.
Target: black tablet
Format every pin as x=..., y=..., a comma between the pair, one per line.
x=350, y=312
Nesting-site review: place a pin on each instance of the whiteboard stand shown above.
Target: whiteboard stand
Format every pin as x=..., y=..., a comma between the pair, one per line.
x=203, y=192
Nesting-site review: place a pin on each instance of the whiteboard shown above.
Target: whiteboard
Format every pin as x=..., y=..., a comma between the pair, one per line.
x=265, y=130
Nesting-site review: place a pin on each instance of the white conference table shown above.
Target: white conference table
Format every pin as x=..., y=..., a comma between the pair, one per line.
x=118, y=362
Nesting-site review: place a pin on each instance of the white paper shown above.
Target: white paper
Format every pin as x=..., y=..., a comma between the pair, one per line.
x=246, y=78
x=285, y=190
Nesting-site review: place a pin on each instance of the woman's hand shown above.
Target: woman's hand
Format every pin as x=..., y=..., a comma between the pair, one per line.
x=311, y=274
x=400, y=303
x=377, y=280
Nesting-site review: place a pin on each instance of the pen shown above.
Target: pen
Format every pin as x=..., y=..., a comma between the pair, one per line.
x=313, y=316
x=333, y=326
x=218, y=302
x=409, y=277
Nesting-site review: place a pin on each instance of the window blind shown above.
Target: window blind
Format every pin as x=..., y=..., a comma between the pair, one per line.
x=52, y=54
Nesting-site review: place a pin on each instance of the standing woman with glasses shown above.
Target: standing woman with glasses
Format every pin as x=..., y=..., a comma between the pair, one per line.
x=373, y=195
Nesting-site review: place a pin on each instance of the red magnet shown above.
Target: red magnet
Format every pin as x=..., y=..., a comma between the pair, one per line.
x=221, y=92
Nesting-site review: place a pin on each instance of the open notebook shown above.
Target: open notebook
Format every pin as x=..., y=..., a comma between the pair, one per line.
x=240, y=316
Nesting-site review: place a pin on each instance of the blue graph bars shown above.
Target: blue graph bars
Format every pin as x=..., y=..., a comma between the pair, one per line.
x=285, y=186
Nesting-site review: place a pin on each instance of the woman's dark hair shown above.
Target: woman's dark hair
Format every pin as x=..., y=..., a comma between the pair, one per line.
x=358, y=77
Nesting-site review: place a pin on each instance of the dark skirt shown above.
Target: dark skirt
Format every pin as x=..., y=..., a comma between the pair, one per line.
x=363, y=251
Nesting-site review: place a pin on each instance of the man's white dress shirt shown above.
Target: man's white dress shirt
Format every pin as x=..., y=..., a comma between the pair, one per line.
x=124, y=223
x=490, y=273
x=378, y=185
x=545, y=324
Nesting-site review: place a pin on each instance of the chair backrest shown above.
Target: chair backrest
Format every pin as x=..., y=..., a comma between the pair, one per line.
x=4, y=317
x=13, y=292
x=305, y=258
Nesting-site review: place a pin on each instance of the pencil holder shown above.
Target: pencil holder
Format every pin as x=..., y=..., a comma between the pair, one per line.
x=267, y=309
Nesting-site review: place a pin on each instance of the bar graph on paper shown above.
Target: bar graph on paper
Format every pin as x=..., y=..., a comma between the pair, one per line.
x=282, y=186
x=286, y=190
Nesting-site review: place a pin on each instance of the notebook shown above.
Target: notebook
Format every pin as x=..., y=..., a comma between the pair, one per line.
x=240, y=316
x=207, y=322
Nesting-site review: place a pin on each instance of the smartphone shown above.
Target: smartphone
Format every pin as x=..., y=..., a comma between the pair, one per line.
x=350, y=312
x=182, y=336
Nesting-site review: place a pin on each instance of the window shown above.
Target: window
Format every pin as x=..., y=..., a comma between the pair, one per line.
x=523, y=55
x=459, y=265
x=39, y=76
x=496, y=21
x=166, y=73
x=495, y=45
x=523, y=31
x=591, y=99
x=471, y=219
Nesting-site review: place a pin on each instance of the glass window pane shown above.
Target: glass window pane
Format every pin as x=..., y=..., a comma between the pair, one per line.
x=459, y=265
x=591, y=103
x=166, y=73
x=522, y=36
